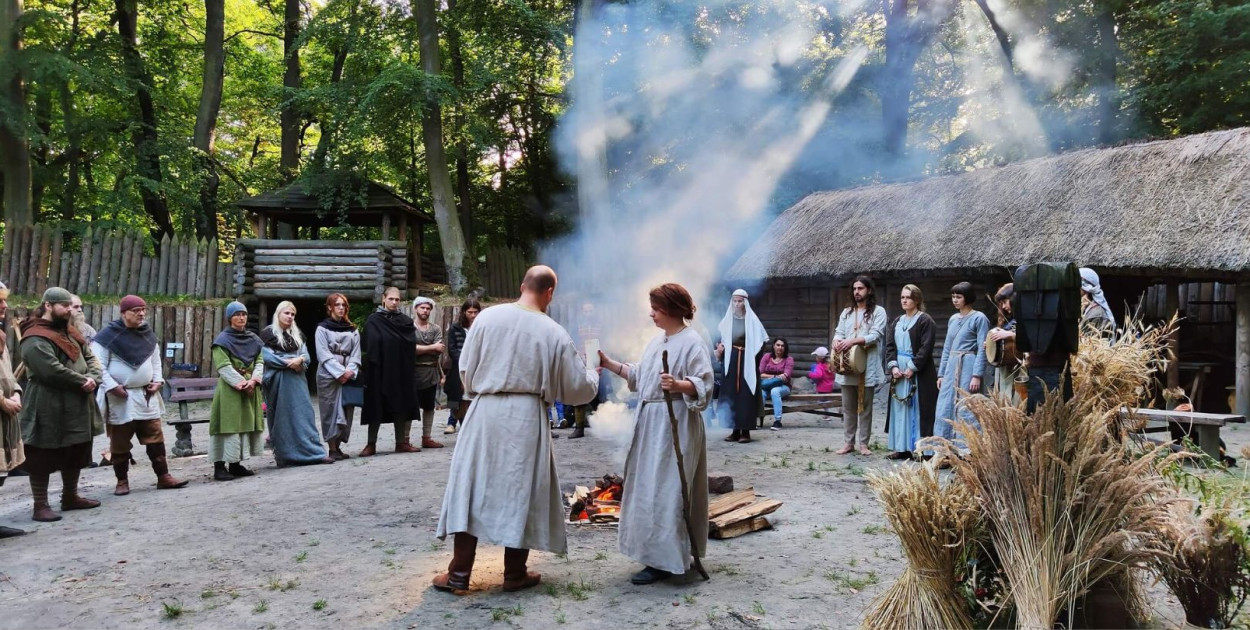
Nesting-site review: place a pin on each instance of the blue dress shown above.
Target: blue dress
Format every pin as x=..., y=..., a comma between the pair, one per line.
x=293, y=421
x=904, y=396
x=963, y=357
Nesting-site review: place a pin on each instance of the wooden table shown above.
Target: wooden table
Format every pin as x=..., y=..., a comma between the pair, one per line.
x=1205, y=425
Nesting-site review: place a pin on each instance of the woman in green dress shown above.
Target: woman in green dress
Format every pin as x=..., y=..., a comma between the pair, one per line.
x=236, y=423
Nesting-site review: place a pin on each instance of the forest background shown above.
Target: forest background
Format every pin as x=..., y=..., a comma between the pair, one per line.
x=158, y=114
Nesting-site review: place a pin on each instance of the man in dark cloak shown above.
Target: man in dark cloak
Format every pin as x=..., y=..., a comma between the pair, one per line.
x=390, y=347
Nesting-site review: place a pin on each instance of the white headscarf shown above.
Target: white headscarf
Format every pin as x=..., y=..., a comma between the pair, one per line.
x=421, y=299
x=756, y=336
x=1091, y=285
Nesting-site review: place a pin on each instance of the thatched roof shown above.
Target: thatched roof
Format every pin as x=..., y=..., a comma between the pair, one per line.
x=1174, y=206
x=295, y=204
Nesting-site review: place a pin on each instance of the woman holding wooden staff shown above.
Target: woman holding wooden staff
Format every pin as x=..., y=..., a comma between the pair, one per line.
x=913, y=378
x=656, y=528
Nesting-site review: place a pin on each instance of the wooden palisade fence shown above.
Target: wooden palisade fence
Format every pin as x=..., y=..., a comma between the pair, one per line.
x=505, y=268
x=113, y=263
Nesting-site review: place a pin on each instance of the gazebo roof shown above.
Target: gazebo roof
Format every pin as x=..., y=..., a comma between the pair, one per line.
x=295, y=204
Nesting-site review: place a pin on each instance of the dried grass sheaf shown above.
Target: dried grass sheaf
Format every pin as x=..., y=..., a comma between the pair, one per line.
x=1065, y=505
x=934, y=522
x=1206, y=566
x=1120, y=371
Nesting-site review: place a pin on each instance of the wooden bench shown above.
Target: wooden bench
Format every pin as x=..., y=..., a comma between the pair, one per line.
x=186, y=390
x=1205, y=425
x=819, y=404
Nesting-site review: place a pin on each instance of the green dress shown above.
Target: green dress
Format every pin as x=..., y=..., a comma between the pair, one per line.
x=236, y=422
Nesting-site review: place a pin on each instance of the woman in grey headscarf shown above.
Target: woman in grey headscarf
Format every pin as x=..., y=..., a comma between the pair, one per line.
x=1096, y=313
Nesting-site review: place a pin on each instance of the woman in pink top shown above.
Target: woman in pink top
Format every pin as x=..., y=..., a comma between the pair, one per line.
x=775, y=370
x=822, y=374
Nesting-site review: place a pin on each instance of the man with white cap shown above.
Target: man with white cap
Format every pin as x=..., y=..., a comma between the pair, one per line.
x=746, y=336
x=427, y=375
x=129, y=396
x=1096, y=313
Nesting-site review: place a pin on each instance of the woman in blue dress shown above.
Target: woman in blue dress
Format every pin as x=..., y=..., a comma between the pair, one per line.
x=963, y=360
x=913, y=384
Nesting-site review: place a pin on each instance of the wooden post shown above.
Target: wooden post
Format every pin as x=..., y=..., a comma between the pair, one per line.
x=403, y=226
x=386, y=226
x=1242, y=361
x=1172, y=304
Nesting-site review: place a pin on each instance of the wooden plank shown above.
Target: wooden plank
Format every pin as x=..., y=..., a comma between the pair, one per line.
x=201, y=265
x=210, y=270
x=731, y=502
x=22, y=264
x=759, y=508
x=32, y=270
x=121, y=261
x=331, y=285
x=168, y=335
x=54, y=261
x=314, y=269
x=66, y=271
x=162, y=268
x=145, y=276
x=83, y=266
x=1185, y=417
x=208, y=330
x=742, y=527
x=313, y=259
x=273, y=243
x=100, y=270
x=328, y=277
x=136, y=263
x=185, y=262
x=352, y=294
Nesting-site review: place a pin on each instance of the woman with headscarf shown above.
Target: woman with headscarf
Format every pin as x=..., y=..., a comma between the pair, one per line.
x=236, y=423
x=453, y=387
x=338, y=364
x=1095, y=312
x=746, y=336
x=292, y=420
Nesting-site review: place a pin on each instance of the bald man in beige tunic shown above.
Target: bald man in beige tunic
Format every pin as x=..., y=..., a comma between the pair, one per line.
x=502, y=487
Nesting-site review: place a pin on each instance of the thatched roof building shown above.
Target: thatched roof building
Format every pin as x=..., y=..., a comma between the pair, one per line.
x=1148, y=217
x=1168, y=208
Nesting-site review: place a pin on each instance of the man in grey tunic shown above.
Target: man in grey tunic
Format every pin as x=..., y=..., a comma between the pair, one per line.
x=502, y=486
x=427, y=376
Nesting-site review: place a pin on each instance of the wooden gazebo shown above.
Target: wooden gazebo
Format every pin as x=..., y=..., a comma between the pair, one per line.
x=299, y=269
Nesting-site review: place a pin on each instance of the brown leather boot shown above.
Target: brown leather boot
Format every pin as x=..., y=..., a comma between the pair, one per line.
x=160, y=466
x=515, y=574
x=428, y=442
x=405, y=446
x=70, y=499
x=121, y=468
x=464, y=552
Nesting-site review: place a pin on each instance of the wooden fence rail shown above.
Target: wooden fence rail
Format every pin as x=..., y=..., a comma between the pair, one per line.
x=505, y=268
x=113, y=263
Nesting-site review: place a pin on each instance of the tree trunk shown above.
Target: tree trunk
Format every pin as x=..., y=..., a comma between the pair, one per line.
x=907, y=34
x=206, y=116
x=147, y=148
x=1109, y=98
x=73, y=153
x=463, y=199
x=14, y=147
x=290, y=118
x=336, y=74
x=449, y=232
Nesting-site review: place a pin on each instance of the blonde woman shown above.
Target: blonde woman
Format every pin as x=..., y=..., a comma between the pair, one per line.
x=292, y=420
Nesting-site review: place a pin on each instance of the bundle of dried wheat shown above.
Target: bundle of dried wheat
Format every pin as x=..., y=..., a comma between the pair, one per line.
x=1064, y=505
x=934, y=522
x=1120, y=372
x=1206, y=568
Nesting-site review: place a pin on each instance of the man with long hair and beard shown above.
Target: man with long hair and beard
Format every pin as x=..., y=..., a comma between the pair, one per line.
x=860, y=325
x=59, y=417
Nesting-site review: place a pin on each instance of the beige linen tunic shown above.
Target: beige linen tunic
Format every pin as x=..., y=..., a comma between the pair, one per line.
x=653, y=530
x=502, y=487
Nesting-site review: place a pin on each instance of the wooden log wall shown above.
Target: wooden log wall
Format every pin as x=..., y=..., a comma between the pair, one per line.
x=112, y=263
x=193, y=326
x=297, y=269
x=505, y=268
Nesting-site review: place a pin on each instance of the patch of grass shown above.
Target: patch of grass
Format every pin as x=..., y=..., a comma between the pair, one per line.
x=785, y=462
x=851, y=582
x=818, y=534
x=551, y=589
x=855, y=470
x=171, y=610
x=207, y=593
x=560, y=618
x=874, y=529
x=689, y=598
x=313, y=542
x=388, y=563
x=233, y=594
x=436, y=546
x=853, y=511
x=449, y=615
x=301, y=556
x=320, y=604
x=758, y=609
x=726, y=569
x=290, y=585
x=828, y=449
x=580, y=590
x=260, y=607
x=274, y=584
x=503, y=614
x=601, y=556
x=389, y=552
x=853, y=562
x=811, y=466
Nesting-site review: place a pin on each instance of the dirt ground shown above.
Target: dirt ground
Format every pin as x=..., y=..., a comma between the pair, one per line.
x=352, y=545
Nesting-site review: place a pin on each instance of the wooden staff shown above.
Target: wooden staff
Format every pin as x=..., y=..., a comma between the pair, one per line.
x=681, y=472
